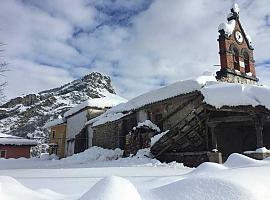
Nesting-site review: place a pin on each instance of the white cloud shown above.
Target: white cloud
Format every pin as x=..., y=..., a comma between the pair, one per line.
x=166, y=42
x=27, y=77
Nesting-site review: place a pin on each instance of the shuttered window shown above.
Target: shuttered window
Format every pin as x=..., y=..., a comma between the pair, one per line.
x=3, y=154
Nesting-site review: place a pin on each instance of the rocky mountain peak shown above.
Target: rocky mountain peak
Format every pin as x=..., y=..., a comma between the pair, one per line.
x=26, y=115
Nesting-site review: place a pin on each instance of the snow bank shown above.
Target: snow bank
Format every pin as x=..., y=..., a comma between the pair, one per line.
x=93, y=157
x=235, y=160
x=112, y=188
x=209, y=181
x=10, y=189
x=208, y=167
x=239, y=160
x=200, y=188
x=93, y=154
x=47, y=156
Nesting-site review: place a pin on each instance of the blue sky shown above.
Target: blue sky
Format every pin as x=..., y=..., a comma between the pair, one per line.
x=141, y=45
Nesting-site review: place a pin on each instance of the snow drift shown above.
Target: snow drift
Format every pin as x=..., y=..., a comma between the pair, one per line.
x=93, y=154
x=11, y=189
x=112, y=188
x=202, y=188
x=239, y=160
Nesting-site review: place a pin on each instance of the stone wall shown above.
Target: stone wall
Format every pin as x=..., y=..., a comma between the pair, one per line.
x=106, y=136
x=165, y=114
x=232, y=76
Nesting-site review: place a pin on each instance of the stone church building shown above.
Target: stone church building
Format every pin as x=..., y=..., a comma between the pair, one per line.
x=194, y=121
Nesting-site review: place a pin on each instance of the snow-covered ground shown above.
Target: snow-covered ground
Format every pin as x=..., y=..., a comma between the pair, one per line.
x=95, y=175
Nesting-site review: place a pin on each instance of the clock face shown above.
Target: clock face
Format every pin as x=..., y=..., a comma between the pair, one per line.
x=239, y=37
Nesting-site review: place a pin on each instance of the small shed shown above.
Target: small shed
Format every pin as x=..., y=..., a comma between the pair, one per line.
x=15, y=147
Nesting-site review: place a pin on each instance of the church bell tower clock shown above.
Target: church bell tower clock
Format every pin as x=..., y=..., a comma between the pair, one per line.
x=236, y=51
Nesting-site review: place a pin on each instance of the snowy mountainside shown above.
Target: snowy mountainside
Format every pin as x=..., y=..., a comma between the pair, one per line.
x=26, y=115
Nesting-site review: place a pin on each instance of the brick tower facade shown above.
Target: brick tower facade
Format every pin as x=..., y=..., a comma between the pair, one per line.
x=236, y=52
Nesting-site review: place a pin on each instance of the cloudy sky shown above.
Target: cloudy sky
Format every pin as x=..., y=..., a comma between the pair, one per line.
x=140, y=44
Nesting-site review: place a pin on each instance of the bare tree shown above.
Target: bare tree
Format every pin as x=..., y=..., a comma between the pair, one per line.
x=3, y=69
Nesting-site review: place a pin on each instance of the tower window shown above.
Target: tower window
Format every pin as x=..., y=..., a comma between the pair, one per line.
x=246, y=61
x=235, y=53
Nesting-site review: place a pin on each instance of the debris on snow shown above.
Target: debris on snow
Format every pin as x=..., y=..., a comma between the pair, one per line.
x=149, y=124
x=156, y=138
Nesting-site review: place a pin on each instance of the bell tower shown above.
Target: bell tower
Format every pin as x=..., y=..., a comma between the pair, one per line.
x=236, y=51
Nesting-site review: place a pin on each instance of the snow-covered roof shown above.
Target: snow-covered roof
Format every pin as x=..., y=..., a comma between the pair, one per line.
x=55, y=122
x=175, y=89
x=108, y=101
x=215, y=93
x=14, y=140
x=235, y=94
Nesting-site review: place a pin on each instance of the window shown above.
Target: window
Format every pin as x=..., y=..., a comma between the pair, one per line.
x=235, y=53
x=246, y=61
x=3, y=153
x=53, y=134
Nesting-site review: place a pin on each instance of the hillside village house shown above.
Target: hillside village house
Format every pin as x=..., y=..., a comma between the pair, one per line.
x=57, y=137
x=66, y=134
x=15, y=147
x=192, y=121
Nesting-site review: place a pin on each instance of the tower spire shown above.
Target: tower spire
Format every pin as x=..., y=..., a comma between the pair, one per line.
x=236, y=51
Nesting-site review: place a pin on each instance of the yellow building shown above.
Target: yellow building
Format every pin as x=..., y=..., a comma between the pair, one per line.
x=57, y=137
